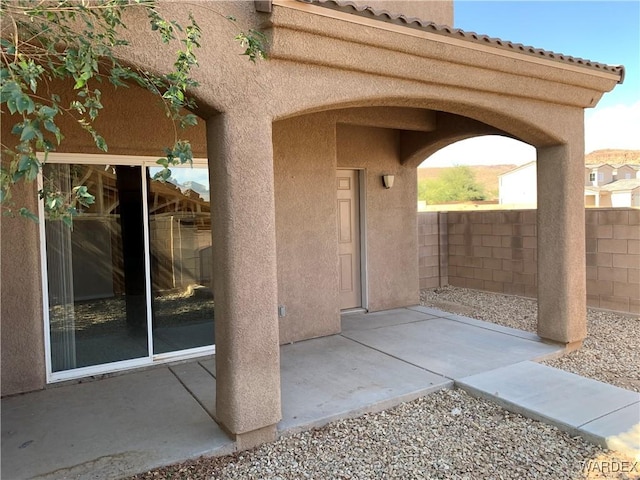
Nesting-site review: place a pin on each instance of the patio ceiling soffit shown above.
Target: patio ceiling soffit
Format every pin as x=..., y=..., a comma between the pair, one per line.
x=595, y=76
x=416, y=146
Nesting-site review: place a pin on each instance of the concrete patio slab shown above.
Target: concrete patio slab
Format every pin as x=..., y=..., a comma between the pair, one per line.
x=618, y=430
x=494, y=327
x=199, y=382
x=451, y=348
x=210, y=365
x=106, y=429
x=428, y=310
x=366, y=321
x=133, y=422
x=568, y=401
x=477, y=323
x=333, y=377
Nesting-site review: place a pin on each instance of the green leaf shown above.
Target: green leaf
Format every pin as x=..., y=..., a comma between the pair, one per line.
x=28, y=133
x=188, y=120
x=24, y=104
x=24, y=162
x=9, y=89
x=26, y=213
x=48, y=111
x=100, y=143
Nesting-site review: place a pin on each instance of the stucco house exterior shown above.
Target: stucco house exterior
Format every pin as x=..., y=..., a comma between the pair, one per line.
x=599, y=174
x=295, y=225
x=518, y=186
x=621, y=193
x=605, y=185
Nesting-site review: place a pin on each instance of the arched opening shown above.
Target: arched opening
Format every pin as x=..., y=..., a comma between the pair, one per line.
x=318, y=156
x=484, y=172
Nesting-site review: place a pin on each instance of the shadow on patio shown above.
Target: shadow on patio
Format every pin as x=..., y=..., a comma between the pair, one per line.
x=137, y=421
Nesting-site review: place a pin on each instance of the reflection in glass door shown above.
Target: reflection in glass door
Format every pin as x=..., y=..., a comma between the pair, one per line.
x=95, y=272
x=181, y=260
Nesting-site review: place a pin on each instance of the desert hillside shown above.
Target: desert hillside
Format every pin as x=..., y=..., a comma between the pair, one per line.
x=613, y=156
x=486, y=175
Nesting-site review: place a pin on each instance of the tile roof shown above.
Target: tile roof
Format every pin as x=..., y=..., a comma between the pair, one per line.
x=621, y=185
x=411, y=22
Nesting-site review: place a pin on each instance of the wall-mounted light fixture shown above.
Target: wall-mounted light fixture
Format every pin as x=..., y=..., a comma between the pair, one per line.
x=387, y=181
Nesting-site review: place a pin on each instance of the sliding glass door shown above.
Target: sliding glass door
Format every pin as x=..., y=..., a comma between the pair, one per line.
x=181, y=261
x=131, y=282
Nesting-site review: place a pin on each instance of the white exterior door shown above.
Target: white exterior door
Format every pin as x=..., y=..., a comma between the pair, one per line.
x=348, y=215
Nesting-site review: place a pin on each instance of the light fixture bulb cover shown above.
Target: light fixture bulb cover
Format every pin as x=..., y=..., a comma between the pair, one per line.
x=387, y=180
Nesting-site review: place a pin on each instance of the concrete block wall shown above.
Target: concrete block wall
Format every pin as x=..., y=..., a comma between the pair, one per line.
x=613, y=259
x=429, y=241
x=497, y=251
x=493, y=251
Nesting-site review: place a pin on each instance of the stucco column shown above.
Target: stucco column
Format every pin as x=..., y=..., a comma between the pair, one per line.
x=561, y=243
x=245, y=283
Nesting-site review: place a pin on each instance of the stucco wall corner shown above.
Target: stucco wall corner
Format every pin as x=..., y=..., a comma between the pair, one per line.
x=21, y=324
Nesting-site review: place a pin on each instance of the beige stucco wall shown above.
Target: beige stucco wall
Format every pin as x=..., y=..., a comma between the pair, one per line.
x=23, y=367
x=307, y=151
x=132, y=122
x=304, y=162
x=390, y=237
x=319, y=63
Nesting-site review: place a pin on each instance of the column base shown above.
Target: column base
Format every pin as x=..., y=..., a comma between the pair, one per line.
x=568, y=348
x=253, y=438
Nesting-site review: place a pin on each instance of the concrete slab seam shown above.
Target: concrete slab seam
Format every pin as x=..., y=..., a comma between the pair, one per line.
x=403, y=323
x=418, y=308
x=192, y=393
x=394, y=357
x=492, y=328
x=207, y=370
x=637, y=402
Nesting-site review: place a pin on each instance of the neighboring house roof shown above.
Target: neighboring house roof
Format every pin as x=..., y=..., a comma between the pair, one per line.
x=621, y=185
x=615, y=166
x=521, y=167
x=600, y=165
x=410, y=22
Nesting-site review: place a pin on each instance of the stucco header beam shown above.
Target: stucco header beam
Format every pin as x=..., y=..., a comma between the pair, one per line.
x=399, y=118
x=371, y=22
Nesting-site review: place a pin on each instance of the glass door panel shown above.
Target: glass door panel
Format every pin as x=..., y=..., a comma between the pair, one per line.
x=181, y=260
x=96, y=271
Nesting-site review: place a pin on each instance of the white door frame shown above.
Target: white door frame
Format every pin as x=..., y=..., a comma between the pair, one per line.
x=104, y=368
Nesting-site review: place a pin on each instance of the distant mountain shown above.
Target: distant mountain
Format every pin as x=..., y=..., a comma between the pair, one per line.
x=486, y=175
x=613, y=156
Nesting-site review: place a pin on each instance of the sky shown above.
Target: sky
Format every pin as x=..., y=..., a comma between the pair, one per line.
x=602, y=31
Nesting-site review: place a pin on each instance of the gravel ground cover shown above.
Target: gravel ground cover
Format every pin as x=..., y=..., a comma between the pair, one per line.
x=446, y=435
x=449, y=434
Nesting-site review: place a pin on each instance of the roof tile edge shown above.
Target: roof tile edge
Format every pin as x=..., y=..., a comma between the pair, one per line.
x=445, y=30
